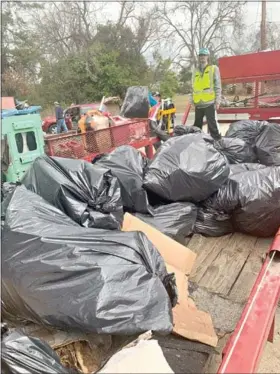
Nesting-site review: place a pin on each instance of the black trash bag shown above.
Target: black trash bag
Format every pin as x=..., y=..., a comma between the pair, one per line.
x=246, y=130
x=155, y=200
x=7, y=192
x=236, y=150
x=127, y=164
x=89, y=194
x=136, y=103
x=180, y=130
x=212, y=223
x=226, y=199
x=175, y=220
x=268, y=145
x=8, y=188
x=25, y=354
x=258, y=212
x=240, y=168
x=187, y=168
x=4, y=328
x=157, y=131
x=56, y=273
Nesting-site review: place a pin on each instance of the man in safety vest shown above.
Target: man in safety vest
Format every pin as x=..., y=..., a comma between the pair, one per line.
x=206, y=83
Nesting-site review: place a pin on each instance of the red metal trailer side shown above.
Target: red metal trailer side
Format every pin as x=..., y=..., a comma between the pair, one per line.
x=135, y=132
x=260, y=71
x=256, y=325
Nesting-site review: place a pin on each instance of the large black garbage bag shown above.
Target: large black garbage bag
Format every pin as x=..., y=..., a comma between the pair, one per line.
x=175, y=220
x=246, y=130
x=187, y=168
x=7, y=191
x=157, y=131
x=127, y=164
x=180, y=130
x=212, y=223
x=236, y=150
x=253, y=199
x=240, y=168
x=59, y=274
x=24, y=354
x=89, y=194
x=268, y=145
x=258, y=212
x=226, y=199
x=8, y=188
x=136, y=103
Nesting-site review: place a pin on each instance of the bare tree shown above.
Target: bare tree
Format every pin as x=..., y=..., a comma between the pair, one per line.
x=272, y=35
x=65, y=28
x=192, y=24
x=127, y=8
x=143, y=22
x=147, y=30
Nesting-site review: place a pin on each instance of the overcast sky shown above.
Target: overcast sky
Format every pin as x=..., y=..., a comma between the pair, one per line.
x=254, y=12
x=253, y=7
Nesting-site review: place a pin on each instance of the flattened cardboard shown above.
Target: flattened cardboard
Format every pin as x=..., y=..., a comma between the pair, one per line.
x=189, y=322
x=173, y=253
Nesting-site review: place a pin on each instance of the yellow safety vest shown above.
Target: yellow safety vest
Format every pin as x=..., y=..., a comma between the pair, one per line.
x=203, y=85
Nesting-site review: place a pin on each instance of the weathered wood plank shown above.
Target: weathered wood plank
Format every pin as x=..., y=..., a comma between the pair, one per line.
x=200, y=243
x=207, y=249
x=244, y=283
x=222, y=273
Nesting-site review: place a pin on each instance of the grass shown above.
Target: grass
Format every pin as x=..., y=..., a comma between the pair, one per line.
x=47, y=111
x=180, y=102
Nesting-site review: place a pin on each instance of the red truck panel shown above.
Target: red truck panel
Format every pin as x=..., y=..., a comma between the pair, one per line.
x=256, y=325
x=250, y=65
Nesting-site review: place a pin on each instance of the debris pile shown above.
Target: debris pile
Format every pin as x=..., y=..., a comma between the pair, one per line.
x=89, y=249
x=81, y=278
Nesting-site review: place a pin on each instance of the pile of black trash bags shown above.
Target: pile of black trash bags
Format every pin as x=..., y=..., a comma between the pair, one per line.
x=197, y=185
x=25, y=354
x=67, y=264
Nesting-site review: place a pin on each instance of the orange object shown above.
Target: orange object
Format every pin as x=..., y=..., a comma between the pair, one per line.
x=82, y=123
x=8, y=103
x=90, y=124
x=94, y=124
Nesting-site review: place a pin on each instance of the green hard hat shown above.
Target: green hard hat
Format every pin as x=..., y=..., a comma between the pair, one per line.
x=204, y=52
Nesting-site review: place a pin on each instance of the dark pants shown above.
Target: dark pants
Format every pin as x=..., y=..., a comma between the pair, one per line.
x=210, y=113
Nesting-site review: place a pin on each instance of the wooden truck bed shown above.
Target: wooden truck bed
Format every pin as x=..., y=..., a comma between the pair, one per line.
x=221, y=280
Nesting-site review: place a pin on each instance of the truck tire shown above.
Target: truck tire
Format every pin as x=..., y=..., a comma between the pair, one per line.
x=52, y=129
